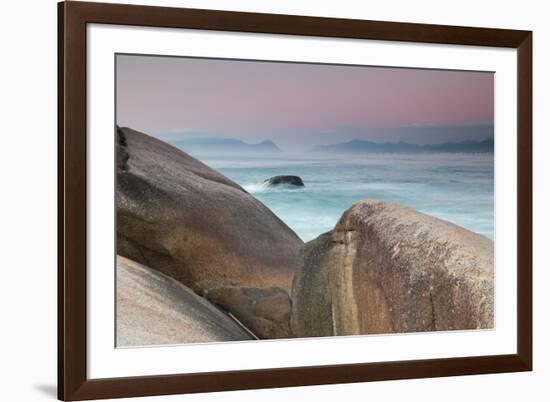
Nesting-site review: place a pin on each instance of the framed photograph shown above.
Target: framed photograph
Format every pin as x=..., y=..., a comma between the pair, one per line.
x=252, y=200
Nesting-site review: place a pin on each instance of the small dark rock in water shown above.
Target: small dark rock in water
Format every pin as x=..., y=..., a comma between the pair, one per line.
x=292, y=180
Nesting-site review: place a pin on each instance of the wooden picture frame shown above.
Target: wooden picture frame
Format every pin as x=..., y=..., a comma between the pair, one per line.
x=73, y=382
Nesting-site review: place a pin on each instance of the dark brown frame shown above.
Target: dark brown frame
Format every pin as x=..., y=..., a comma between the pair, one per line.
x=73, y=383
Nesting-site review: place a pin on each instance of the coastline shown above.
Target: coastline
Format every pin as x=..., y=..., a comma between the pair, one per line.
x=180, y=217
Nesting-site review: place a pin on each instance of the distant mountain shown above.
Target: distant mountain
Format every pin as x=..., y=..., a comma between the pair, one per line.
x=364, y=146
x=224, y=145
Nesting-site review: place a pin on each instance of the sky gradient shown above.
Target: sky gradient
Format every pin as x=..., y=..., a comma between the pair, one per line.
x=299, y=105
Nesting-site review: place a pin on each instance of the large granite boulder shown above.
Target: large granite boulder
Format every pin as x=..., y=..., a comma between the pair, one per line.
x=177, y=215
x=154, y=309
x=389, y=269
x=264, y=311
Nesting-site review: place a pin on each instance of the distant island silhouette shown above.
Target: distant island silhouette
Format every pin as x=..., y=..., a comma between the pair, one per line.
x=224, y=145
x=365, y=146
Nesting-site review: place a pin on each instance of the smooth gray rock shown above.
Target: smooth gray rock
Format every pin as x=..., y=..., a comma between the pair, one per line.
x=177, y=215
x=388, y=269
x=154, y=309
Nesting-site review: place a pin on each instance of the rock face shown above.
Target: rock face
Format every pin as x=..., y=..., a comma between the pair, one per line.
x=289, y=180
x=178, y=216
x=386, y=269
x=265, y=312
x=153, y=309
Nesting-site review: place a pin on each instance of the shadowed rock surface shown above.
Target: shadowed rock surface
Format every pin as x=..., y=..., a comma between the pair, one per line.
x=153, y=309
x=386, y=268
x=177, y=215
x=289, y=180
x=266, y=312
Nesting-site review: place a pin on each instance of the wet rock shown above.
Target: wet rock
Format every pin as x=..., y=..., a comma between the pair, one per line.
x=288, y=180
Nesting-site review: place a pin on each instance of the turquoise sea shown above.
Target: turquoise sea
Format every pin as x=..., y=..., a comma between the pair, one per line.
x=454, y=187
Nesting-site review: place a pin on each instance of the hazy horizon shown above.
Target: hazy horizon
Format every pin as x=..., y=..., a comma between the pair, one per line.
x=297, y=105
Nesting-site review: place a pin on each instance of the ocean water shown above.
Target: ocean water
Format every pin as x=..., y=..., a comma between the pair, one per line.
x=454, y=187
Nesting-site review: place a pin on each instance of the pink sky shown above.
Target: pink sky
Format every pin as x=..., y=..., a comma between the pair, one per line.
x=254, y=101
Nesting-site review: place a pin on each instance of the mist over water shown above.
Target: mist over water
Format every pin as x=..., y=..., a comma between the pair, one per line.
x=454, y=187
